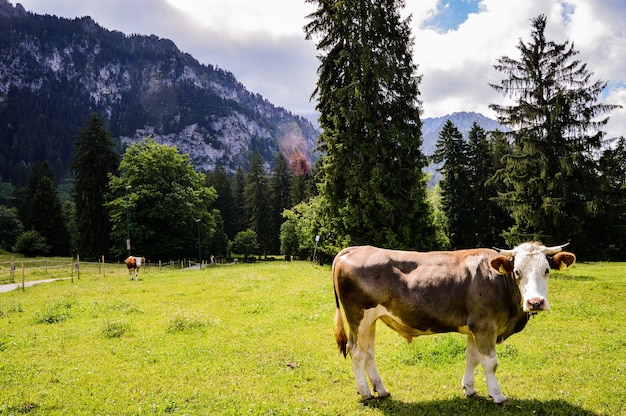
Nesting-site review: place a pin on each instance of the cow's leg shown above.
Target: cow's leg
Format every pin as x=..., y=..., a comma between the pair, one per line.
x=361, y=347
x=370, y=366
x=472, y=358
x=486, y=346
x=358, y=356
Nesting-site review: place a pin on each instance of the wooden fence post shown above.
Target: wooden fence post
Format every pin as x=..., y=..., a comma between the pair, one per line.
x=104, y=273
x=23, y=278
x=12, y=269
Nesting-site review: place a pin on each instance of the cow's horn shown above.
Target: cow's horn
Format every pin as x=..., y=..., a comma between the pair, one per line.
x=556, y=249
x=503, y=251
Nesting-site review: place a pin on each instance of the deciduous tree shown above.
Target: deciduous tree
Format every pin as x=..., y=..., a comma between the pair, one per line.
x=165, y=198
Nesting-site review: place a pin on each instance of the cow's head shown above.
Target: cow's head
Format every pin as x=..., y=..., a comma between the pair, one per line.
x=530, y=264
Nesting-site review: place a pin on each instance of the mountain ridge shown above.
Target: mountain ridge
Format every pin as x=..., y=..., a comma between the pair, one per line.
x=55, y=72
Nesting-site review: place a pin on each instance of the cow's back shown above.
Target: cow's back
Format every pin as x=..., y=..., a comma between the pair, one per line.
x=428, y=292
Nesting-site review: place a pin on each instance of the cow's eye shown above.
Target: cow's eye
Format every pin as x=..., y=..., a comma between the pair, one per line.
x=518, y=274
x=547, y=271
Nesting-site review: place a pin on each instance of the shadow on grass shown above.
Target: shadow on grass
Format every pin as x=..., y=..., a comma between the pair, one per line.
x=479, y=406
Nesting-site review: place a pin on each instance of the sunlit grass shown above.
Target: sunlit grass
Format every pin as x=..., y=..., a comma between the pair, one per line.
x=257, y=339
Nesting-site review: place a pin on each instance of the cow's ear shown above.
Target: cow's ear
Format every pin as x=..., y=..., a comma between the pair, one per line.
x=562, y=260
x=501, y=264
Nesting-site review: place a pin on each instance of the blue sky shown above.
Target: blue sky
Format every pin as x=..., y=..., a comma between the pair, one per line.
x=449, y=15
x=457, y=42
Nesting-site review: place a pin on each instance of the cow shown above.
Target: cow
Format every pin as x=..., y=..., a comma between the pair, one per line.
x=133, y=263
x=485, y=294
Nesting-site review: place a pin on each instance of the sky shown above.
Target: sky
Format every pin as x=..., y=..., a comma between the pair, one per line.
x=457, y=42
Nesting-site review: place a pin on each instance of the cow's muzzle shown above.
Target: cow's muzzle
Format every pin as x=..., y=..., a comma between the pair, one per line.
x=535, y=304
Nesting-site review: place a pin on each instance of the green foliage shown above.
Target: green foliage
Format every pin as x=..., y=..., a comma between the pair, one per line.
x=556, y=125
x=44, y=212
x=115, y=330
x=10, y=227
x=456, y=195
x=31, y=243
x=280, y=186
x=94, y=160
x=165, y=197
x=472, y=217
x=369, y=113
x=257, y=203
x=54, y=313
x=246, y=243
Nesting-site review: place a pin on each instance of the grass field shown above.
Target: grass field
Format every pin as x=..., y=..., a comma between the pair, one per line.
x=256, y=339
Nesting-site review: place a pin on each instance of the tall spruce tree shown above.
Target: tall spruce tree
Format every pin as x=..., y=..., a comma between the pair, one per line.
x=225, y=202
x=280, y=198
x=45, y=213
x=456, y=191
x=94, y=160
x=371, y=129
x=257, y=202
x=556, y=125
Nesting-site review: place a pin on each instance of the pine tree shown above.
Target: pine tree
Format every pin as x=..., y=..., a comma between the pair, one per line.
x=94, y=160
x=225, y=202
x=371, y=129
x=556, y=128
x=280, y=198
x=453, y=152
x=240, y=216
x=257, y=202
x=45, y=214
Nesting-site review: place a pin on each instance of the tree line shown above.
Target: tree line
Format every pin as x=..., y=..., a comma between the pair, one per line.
x=154, y=198
x=554, y=176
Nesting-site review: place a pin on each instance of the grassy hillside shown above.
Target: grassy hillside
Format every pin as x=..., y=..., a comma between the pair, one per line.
x=257, y=339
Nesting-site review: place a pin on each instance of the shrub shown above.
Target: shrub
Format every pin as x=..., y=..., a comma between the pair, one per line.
x=31, y=243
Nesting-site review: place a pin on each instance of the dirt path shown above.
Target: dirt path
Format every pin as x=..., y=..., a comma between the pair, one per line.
x=13, y=286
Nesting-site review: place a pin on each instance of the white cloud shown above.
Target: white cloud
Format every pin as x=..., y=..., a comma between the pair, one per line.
x=262, y=43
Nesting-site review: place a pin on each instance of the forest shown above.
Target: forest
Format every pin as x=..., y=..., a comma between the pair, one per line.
x=553, y=177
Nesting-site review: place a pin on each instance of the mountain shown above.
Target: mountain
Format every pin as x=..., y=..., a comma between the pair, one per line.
x=55, y=72
x=462, y=120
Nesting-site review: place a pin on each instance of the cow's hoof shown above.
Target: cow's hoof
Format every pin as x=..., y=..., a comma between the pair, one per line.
x=384, y=396
x=473, y=395
x=504, y=403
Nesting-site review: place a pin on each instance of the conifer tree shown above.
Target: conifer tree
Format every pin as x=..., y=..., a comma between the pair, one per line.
x=45, y=214
x=240, y=217
x=452, y=151
x=556, y=125
x=257, y=203
x=280, y=198
x=371, y=129
x=225, y=202
x=94, y=160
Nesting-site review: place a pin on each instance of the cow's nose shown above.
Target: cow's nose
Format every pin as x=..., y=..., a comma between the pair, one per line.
x=535, y=304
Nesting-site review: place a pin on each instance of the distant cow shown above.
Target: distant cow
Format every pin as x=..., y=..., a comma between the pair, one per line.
x=133, y=263
x=484, y=294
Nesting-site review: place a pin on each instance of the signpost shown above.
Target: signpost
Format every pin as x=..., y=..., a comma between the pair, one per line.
x=317, y=239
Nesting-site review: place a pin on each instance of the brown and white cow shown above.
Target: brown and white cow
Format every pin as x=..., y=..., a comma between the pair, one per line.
x=484, y=294
x=133, y=263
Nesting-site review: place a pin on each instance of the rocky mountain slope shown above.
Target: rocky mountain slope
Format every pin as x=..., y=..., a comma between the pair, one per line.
x=55, y=72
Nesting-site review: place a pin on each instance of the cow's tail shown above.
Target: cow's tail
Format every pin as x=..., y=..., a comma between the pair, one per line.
x=340, y=330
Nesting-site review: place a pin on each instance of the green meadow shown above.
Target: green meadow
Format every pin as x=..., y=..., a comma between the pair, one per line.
x=257, y=339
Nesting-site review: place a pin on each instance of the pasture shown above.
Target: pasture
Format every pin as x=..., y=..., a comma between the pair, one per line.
x=256, y=339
